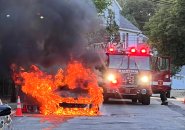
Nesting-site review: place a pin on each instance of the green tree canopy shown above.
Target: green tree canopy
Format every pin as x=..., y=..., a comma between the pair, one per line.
x=166, y=31
x=111, y=26
x=138, y=11
x=101, y=5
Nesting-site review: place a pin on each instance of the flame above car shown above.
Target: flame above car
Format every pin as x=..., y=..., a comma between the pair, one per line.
x=43, y=86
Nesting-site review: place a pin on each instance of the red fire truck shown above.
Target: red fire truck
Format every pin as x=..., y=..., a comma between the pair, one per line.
x=134, y=74
x=161, y=75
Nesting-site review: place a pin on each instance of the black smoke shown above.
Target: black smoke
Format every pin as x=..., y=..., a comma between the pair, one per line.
x=43, y=32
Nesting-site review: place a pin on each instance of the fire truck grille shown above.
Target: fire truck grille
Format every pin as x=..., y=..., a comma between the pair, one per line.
x=129, y=79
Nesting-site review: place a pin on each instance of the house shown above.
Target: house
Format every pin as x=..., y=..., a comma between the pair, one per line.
x=130, y=35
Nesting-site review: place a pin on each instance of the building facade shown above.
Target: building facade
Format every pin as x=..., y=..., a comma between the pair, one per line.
x=130, y=35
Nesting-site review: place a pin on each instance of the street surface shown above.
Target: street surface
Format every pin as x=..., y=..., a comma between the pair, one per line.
x=115, y=116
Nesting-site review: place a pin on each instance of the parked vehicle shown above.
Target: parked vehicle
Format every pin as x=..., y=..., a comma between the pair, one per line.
x=132, y=74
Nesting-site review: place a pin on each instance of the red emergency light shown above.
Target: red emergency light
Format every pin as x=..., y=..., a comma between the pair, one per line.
x=111, y=49
x=114, y=83
x=143, y=51
x=133, y=50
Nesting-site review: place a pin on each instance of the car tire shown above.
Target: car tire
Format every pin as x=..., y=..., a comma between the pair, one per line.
x=146, y=100
x=97, y=110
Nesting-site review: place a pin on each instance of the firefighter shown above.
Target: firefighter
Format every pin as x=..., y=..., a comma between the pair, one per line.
x=163, y=98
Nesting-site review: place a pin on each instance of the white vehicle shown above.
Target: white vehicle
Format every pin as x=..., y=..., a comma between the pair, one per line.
x=5, y=111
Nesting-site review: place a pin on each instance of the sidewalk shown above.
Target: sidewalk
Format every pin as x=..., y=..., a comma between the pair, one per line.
x=178, y=102
x=179, y=98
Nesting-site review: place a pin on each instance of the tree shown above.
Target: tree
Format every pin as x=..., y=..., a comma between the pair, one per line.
x=101, y=5
x=166, y=31
x=97, y=35
x=112, y=27
x=138, y=11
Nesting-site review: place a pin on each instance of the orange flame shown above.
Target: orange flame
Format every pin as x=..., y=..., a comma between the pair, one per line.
x=42, y=86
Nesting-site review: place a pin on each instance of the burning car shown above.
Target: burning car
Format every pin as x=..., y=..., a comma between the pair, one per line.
x=81, y=91
x=71, y=92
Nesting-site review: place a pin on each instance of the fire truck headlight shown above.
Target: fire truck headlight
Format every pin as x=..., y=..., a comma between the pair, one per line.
x=144, y=79
x=111, y=77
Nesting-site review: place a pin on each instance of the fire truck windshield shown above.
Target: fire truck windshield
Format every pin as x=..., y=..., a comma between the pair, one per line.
x=139, y=62
x=118, y=61
x=135, y=62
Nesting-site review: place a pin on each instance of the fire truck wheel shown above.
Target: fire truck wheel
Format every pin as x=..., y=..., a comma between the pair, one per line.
x=134, y=100
x=168, y=94
x=146, y=100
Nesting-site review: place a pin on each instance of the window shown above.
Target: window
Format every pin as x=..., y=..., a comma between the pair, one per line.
x=123, y=37
x=118, y=61
x=139, y=62
x=163, y=64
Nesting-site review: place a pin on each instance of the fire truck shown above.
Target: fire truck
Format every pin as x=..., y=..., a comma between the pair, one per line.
x=134, y=73
x=161, y=75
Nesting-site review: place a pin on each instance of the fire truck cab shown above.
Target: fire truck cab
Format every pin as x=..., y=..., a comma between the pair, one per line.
x=161, y=75
x=128, y=74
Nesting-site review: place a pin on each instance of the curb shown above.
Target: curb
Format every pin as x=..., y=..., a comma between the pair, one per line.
x=179, y=102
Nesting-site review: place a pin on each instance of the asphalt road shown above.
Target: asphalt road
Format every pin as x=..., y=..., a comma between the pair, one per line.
x=115, y=116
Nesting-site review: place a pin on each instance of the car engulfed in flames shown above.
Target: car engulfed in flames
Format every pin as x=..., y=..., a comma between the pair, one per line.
x=71, y=92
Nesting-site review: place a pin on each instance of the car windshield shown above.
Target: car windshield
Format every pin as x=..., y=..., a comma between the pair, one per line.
x=139, y=62
x=118, y=61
